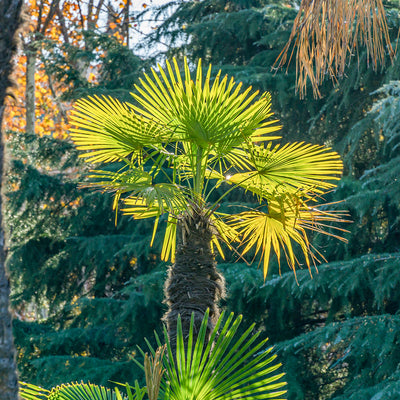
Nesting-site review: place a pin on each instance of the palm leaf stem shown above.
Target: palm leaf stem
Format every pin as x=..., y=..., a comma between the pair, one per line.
x=198, y=168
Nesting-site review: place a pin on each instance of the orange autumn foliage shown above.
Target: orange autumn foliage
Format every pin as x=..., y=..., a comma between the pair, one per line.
x=49, y=120
x=61, y=22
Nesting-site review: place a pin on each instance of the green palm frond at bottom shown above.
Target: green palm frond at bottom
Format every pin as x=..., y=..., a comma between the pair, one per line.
x=228, y=365
x=77, y=391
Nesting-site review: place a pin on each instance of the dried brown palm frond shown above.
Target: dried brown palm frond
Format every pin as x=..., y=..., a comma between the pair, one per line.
x=327, y=33
x=154, y=371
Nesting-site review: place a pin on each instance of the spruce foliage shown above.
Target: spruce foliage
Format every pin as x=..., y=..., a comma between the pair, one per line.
x=80, y=283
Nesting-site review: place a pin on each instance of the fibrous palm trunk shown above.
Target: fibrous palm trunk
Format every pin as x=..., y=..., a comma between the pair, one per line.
x=194, y=283
x=10, y=11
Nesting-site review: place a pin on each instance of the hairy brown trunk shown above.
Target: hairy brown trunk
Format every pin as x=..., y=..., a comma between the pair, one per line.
x=10, y=20
x=194, y=283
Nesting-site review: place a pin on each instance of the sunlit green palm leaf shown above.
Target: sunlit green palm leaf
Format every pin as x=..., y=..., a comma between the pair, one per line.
x=108, y=130
x=215, y=118
x=131, y=180
x=275, y=170
x=169, y=243
x=139, y=209
x=32, y=392
x=225, y=233
x=165, y=197
x=229, y=365
x=281, y=227
x=155, y=203
x=78, y=391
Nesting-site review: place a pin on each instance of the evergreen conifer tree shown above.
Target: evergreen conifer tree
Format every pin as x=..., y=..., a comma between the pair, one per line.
x=80, y=284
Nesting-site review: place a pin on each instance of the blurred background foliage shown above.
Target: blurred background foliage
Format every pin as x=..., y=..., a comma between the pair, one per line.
x=86, y=291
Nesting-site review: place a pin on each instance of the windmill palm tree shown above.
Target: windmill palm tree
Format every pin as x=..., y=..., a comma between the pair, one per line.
x=175, y=146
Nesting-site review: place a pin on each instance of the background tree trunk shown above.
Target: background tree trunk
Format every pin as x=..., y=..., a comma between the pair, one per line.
x=194, y=283
x=10, y=20
x=30, y=87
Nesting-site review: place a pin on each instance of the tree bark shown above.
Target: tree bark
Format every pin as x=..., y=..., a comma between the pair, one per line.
x=8, y=367
x=194, y=283
x=10, y=21
x=30, y=90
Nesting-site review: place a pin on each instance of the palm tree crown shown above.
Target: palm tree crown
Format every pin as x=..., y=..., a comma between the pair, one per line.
x=183, y=138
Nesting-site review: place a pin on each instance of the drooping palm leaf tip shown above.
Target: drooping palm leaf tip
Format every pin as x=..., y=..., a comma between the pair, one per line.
x=327, y=34
x=185, y=137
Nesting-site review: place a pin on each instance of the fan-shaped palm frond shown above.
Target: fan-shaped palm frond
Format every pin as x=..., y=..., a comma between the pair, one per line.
x=109, y=131
x=297, y=166
x=229, y=365
x=79, y=391
x=215, y=117
x=33, y=392
x=282, y=225
x=131, y=180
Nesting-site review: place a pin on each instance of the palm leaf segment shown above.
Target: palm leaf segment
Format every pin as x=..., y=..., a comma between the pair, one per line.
x=80, y=391
x=228, y=365
x=183, y=138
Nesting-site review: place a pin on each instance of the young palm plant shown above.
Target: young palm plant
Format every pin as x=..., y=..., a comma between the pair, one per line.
x=228, y=366
x=174, y=147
